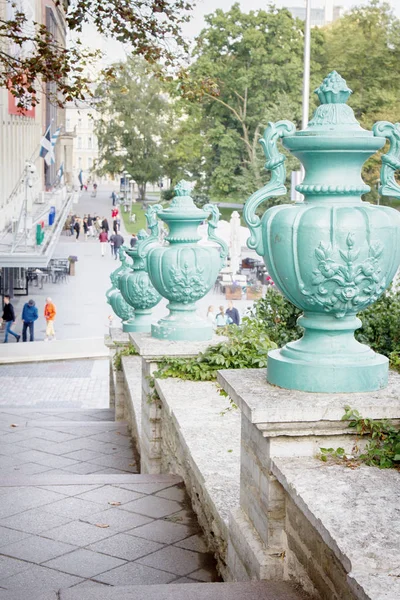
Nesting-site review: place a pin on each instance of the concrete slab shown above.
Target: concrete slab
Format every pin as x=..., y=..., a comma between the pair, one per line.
x=149, y=347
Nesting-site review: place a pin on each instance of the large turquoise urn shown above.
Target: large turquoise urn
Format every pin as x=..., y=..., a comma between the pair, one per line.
x=135, y=285
x=333, y=254
x=184, y=271
x=114, y=297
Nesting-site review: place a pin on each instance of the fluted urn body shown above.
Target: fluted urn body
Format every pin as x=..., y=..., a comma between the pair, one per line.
x=135, y=284
x=333, y=254
x=183, y=272
x=114, y=297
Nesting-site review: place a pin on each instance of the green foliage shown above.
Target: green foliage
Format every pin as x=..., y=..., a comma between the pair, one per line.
x=384, y=448
x=279, y=317
x=129, y=350
x=133, y=128
x=247, y=347
x=381, y=324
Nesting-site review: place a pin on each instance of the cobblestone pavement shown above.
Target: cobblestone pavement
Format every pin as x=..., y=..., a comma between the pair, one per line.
x=73, y=383
x=73, y=513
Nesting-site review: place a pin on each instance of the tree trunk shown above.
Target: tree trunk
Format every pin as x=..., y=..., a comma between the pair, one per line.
x=142, y=191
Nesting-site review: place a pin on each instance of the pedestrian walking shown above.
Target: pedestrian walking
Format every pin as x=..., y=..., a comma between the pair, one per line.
x=233, y=313
x=97, y=225
x=114, y=213
x=29, y=316
x=72, y=224
x=115, y=226
x=49, y=315
x=9, y=319
x=90, y=226
x=116, y=241
x=105, y=225
x=94, y=193
x=103, y=237
x=133, y=241
x=114, y=198
x=85, y=229
x=77, y=227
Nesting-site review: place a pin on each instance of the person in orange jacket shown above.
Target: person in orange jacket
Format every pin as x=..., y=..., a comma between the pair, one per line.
x=49, y=315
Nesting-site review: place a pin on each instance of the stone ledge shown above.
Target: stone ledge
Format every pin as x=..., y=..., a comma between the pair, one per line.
x=277, y=411
x=90, y=348
x=116, y=338
x=132, y=370
x=209, y=445
x=149, y=347
x=356, y=513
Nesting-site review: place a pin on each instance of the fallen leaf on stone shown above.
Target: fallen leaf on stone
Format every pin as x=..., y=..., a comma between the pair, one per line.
x=102, y=525
x=114, y=503
x=13, y=425
x=132, y=464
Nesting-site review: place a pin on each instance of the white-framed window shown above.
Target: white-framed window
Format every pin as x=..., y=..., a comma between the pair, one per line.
x=79, y=162
x=80, y=122
x=90, y=163
x=90, y=142
x=79, y=142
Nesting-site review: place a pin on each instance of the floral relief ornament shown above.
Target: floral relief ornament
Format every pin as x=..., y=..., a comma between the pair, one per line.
x=346, y=287
x=187, y=284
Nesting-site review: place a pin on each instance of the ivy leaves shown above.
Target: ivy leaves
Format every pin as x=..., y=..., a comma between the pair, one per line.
x=247, y=347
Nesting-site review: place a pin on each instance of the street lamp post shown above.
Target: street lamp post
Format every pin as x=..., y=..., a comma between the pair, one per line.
x=306, y=66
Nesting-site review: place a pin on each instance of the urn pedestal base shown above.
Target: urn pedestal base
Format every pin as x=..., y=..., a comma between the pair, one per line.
x=328, y=359
x=140, y=322
x=182, y=324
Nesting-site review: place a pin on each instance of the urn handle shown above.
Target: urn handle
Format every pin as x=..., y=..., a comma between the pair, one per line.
x=276, y=185
x=212, y=226
x=391, y=160
x=152, y=224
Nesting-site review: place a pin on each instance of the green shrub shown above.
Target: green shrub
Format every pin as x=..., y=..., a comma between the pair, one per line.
x=247, y=347
x=129, y=350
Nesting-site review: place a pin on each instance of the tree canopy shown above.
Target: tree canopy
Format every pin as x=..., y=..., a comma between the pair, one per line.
x=134, y=112
x=30, y=55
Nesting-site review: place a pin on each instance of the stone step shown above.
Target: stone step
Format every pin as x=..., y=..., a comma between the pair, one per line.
x=60, y=413
x=262, y=590
x=190, y=591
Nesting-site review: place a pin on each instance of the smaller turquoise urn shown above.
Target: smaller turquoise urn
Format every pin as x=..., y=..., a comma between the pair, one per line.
x=184, y=271
x=114, y=297
x=332, y=255
x=135, y=285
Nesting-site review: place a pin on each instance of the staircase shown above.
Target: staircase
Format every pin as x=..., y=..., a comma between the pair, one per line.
x=77, y=521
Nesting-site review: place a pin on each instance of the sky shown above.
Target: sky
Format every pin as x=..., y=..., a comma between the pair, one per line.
x=114, y=51
x=204, y=7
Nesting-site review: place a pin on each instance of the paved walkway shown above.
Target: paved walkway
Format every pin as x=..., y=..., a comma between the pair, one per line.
x=73, y=513
x=82, y=309
x=61, y=384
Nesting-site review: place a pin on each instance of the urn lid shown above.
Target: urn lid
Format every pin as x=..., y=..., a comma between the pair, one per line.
x=182, y=206
x=334, y=117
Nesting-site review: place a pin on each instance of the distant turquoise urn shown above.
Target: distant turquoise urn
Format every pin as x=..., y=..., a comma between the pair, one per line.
x=333, y=254
x=114, y=297
x=135, y=284
x=184, y=271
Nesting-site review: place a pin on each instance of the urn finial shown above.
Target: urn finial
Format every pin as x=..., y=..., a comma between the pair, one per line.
x=183, y=188
x=333, y=90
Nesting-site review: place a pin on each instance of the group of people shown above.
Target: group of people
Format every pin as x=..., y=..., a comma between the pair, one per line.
x=30, y=314
x=224, y=316
x=91, y=226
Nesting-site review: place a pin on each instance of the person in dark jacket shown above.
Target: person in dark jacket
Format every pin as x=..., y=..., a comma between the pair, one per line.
x=29, y=316
x=9, y=319
x=77, y=228
x=233, y=313
x=133, y=241
x=105, y=225
x=116, y=242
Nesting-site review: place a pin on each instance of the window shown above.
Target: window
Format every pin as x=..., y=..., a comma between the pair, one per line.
x=90, y=162
x=90, y=143
x=79, y=122
x=68, y=125
x=79, y=142
x=79, y=162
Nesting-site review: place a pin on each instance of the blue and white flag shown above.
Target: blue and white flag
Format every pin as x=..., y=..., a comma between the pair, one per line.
x=60, y=171
x=47, y=145
x=80, y=177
